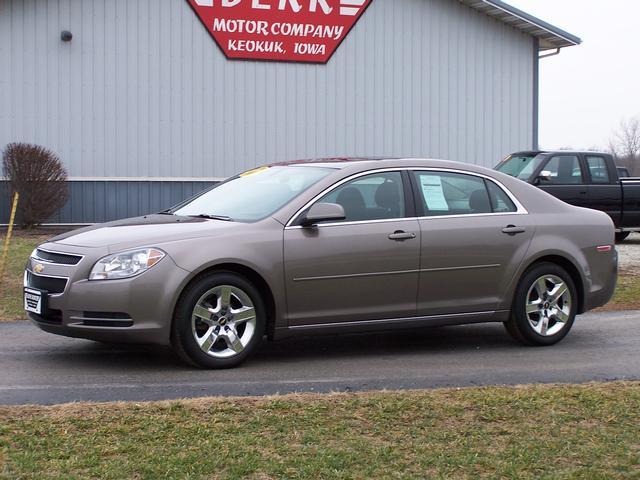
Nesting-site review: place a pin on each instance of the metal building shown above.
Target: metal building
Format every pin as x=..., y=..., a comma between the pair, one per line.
x=145, y=109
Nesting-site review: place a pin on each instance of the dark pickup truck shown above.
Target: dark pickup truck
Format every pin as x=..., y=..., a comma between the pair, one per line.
x=585, y=179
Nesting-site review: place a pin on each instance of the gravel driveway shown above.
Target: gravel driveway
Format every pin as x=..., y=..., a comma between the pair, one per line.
x=629, y=252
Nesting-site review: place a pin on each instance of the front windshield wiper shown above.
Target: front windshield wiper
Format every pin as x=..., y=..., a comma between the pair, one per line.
x=223, y=218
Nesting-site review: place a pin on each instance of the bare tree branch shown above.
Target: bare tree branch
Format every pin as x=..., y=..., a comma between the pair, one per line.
x=625, y=144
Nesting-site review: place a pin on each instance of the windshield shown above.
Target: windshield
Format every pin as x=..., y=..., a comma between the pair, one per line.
x=253, y=195
x=520, y=166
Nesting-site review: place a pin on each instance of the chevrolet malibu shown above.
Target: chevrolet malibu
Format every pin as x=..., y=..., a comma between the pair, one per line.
x=328, y=246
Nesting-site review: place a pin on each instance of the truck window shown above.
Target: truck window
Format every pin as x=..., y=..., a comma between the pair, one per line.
x=563, y=170
x=520, y=166
x=598, y=170
x=623, y=172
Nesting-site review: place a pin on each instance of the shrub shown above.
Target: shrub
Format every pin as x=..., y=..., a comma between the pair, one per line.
x=38, y=175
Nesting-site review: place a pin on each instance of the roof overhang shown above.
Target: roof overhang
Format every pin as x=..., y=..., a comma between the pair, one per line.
x=550, y=37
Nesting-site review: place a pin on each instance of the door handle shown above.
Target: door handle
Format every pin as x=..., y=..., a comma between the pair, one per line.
x=513, y=230
x=401, y=235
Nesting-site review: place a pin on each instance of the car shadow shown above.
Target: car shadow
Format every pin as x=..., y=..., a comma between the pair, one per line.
x=309, y=349
x=434, y=340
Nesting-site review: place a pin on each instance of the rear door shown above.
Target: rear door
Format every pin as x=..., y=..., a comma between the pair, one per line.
x=474, y=236
x=363, y=268
x=605, y=191
x=566, y=179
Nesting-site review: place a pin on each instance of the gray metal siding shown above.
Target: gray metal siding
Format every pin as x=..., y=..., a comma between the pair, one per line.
x=102, y=201
x=143, y=91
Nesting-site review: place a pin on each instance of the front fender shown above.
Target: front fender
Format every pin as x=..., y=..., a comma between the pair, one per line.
x=261, y=252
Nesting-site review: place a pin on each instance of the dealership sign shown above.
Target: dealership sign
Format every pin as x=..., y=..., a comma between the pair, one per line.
x=281, y=30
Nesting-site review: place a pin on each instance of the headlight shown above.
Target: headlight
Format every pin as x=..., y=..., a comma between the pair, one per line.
x=126, y=264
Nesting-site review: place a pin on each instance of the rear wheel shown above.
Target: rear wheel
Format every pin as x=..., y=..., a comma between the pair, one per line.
x=219, y=321
x=544, y=306
x=622, y=236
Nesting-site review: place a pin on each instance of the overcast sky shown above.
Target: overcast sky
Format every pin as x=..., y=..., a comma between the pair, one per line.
x=586, y=90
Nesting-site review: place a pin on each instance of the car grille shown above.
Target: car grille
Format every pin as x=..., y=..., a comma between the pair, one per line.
x=59, y=258
x=50, y=284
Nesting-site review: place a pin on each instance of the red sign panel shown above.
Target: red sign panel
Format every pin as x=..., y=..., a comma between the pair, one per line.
x=281, y=30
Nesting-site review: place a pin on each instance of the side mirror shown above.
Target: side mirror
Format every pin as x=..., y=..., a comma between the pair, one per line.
x=323, y=212
x=545, y=175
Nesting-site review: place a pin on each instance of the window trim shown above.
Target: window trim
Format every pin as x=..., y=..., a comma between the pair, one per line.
x=520, y=209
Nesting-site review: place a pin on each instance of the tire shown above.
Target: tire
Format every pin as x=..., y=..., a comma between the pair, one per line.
x=549, y=320
x=220, y=319
x=622, y=236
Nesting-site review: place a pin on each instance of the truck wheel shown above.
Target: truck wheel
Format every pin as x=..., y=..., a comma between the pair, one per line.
x=622, y=236
x=219, y=321
x=544, y=306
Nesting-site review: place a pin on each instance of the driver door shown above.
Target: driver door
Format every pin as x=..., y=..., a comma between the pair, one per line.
x=566, y=180
x=363, y=268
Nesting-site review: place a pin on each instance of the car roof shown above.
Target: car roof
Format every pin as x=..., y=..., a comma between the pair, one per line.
x=365, y=163
x=558, y=152
x=329, y=162
x=362, y=164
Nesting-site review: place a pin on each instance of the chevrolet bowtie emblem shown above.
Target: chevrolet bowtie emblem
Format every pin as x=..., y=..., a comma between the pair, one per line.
x=39, y=268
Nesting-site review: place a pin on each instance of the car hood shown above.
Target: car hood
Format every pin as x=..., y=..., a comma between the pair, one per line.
x=143, y=231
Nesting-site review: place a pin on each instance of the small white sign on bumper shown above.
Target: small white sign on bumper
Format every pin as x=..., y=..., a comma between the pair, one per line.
x=33, y=301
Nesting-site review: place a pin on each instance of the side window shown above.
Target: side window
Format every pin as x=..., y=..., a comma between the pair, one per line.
x=500, y=201
x=373, y=197
x=598, y=170
x=564, y=170
x=452, y=194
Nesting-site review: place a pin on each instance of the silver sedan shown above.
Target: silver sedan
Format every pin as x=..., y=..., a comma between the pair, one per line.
x=328, y=246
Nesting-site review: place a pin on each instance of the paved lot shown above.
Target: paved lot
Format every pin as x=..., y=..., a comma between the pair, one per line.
x=45, y=369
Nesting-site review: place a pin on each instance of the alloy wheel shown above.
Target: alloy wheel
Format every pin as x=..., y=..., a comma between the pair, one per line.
x=223, y=321
x=548, y=306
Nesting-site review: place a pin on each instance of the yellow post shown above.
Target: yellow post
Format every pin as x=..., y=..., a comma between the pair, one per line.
x=5, y=251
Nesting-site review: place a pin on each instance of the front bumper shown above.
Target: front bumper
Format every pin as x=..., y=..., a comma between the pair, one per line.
x=133, y=310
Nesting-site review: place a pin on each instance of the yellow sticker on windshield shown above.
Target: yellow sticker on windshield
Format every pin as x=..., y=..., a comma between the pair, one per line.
x=254, y=171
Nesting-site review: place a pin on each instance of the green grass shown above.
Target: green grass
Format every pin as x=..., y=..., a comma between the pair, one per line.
x=590, y=432
x=21, y=245
x=627, y=295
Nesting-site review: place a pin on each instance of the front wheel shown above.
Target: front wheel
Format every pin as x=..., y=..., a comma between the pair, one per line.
x=544, y=306
x=219, y=321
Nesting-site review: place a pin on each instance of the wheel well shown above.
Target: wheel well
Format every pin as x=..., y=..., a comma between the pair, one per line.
x=255, y=278
x=571, y=269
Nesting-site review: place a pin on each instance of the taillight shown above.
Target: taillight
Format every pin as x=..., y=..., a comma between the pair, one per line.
x=604, y=248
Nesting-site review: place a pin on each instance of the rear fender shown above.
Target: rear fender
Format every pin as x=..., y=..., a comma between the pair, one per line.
x=564, y=253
